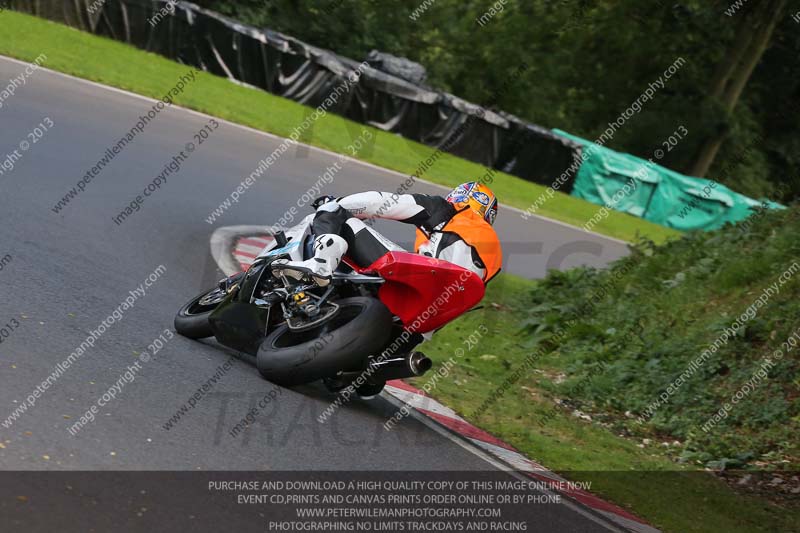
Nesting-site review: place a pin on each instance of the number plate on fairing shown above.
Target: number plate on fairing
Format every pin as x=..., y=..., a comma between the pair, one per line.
x=282, y=250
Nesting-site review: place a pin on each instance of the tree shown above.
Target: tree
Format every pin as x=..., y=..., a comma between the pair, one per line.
x=588, y=61
x=752, y=39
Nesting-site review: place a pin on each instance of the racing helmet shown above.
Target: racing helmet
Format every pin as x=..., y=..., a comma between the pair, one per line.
x=476, y=196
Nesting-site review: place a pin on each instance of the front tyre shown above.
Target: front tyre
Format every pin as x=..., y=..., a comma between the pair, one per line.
x=360, y=328
x=192, y=319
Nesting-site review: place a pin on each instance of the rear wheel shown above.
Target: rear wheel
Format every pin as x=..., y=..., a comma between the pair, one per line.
x=360, y=328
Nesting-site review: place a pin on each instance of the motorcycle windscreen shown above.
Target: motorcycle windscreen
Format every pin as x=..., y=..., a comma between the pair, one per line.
x=426, y=293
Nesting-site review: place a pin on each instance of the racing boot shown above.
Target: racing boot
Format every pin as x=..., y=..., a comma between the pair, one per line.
x=328, y=251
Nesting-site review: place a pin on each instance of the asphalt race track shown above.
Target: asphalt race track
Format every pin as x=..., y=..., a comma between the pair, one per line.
x=71, y=270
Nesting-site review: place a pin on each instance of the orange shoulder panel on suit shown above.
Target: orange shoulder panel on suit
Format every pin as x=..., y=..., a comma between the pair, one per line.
x=476, y=232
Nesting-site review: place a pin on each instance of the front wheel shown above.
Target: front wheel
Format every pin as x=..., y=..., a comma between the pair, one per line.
x=360, y=328
x=192, y=319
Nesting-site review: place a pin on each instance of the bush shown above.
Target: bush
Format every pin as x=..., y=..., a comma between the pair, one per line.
x=648, y=317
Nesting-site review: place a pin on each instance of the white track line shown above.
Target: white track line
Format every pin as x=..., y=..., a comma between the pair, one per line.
x=316, y=148
x=222, y=241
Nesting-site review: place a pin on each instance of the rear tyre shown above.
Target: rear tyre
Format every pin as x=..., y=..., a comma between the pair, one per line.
x=361, y=327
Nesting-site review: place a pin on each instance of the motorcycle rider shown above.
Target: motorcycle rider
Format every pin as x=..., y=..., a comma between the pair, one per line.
x=457, y=228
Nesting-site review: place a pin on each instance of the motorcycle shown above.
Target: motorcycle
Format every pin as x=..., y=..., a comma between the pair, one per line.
x=359, y=330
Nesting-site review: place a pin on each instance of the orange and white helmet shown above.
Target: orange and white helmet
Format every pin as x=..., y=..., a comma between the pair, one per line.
x=478, y=197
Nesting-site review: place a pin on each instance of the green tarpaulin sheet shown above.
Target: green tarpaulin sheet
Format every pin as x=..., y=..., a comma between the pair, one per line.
x=645, y=189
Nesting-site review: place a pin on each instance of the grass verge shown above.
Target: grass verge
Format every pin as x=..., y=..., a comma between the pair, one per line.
x=644, y=479
x=119, y=65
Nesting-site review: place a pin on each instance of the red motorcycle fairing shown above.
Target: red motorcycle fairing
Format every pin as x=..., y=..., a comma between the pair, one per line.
x=426, y=293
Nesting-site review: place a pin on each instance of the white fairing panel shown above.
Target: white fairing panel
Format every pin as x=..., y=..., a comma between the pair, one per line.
x=295, y=235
